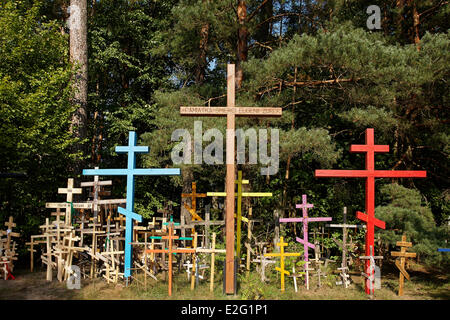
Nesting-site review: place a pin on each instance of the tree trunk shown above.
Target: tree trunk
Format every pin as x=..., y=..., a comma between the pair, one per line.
x=399, y=21
x=79, y=58
x=201, y=64
x=416, y=23
x=242, y=46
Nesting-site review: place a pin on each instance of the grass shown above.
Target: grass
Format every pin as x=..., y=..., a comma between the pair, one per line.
x=424, y=285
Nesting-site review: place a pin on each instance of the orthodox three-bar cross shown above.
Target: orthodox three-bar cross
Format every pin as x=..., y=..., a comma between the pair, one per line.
x=130, y=172
x=194, y=195
x=370, y=174
x=403, y=255
x=344, y=246
x=171, y=250
x=305, y=220
x=282, y=256
x=230, y=111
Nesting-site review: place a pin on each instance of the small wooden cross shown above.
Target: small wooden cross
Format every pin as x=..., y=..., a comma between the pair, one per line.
x=207, y=223
x=370, y=276
x=193, y=195
x=96, y=190
x=403, y=255
x=344, y=246
x=262, y=260
x=238, y=215
x=282, y=256
x=213, y=252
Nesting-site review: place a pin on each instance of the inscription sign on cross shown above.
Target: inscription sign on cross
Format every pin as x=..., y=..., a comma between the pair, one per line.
x=130, y=172
x=305, y=220
x=403, y=255
x=282, y=256
x=230, y=111
x=370, y=148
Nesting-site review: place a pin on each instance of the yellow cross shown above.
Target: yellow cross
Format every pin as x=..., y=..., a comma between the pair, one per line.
x=282, y=255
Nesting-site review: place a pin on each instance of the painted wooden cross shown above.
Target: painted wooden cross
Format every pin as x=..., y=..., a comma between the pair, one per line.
x=193, y=195
x=238, y=216
x=305, y=220
x=171, y=250
x=370, y=174
x=403, y=255
x=344, y=246
x=282, y=256
x=443, y=249
x=213, y=252
x=230, y=111
x=130, y=172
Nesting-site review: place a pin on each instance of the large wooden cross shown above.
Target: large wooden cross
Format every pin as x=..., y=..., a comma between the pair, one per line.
x=305, y=220
x=171, y=250
x=403, y=255
x=370, y=148
x=282, y=256
x=130, y=172
x=230, y=111
x=239, y=195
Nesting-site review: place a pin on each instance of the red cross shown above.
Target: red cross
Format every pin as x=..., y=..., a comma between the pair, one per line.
x=370, y=174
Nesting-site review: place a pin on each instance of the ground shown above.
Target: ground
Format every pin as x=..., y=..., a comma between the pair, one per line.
x=425, y=284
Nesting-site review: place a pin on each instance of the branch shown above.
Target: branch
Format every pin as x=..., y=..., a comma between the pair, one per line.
x=256, y=10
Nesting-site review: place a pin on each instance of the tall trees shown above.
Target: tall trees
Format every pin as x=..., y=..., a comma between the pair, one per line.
x=79, y=59
x=35, y=90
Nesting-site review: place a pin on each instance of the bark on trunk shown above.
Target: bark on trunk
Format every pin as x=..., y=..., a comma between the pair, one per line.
x=79, y=58
x=242, y=46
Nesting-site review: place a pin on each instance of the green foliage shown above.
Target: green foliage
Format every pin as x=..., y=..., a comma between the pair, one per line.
x=404, y=213
x=35, y=92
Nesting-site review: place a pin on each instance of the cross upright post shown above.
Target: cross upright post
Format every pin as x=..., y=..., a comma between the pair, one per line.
x=130, y=172
x=370, y=148
x=230, y=111
x=305, y=220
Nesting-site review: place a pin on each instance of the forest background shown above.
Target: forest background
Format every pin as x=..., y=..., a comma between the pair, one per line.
x=317, y=59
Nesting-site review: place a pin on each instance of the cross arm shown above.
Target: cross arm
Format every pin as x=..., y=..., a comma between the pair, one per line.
x=130, y=214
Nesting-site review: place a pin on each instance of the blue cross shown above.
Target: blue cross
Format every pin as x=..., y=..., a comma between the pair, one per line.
x=443, y=250
x=132, y=149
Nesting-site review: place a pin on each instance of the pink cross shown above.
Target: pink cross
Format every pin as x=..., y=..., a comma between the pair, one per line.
x=305, y=220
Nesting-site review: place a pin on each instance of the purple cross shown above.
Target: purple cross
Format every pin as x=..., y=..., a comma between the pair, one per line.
x=304, y=206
